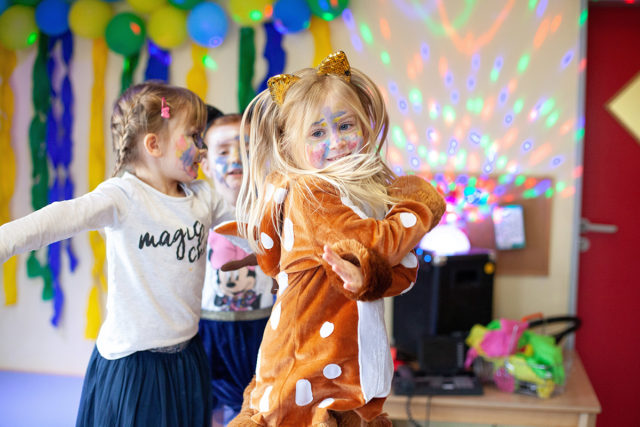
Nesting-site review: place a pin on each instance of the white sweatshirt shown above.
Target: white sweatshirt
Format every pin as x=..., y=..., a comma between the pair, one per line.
x=155, y=254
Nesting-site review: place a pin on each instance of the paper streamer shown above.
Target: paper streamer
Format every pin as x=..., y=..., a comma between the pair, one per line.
x=97, y=173
x=197, y=75
x=7, y=166
x=245, y=67
x=321, y=39
x=273, y=53
x=197, y=79
x=38, y=150
x=129, y=66
x=60, y=151
x=158, y=63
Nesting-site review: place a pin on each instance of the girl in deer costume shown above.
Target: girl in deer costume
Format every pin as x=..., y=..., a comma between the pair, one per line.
x=332, y=223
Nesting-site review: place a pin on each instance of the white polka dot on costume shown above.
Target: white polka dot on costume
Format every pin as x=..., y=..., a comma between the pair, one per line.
x=410, y=260
x=268, y=191
x=408, y=289
x=304, y=395
x=408, y=219
x=264, y=400
x=326, y=329
x=332, y=371
x=287, y=242
x=279, y=195
x=326, y=402
x=266, y=241
x=283, y=282
x=348, y=203
x=275, y=316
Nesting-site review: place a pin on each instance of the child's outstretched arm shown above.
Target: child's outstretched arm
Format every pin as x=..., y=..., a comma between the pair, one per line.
x=61, y=220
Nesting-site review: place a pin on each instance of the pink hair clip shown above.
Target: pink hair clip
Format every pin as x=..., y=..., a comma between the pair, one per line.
x=164, y=110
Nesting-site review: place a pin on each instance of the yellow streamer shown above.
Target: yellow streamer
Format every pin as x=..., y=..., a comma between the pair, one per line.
x=7, y=166
x=97, y=172
x=197, y=78
x=321, y=39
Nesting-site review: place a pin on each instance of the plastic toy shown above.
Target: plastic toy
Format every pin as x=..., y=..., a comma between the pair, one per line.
x=518, y=359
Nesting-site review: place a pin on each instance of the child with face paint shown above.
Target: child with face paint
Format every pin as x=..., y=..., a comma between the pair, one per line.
x=235, y=304
x=333, y=224
x=149, y=367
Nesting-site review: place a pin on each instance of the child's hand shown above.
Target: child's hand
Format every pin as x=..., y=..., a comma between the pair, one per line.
x=350, y=274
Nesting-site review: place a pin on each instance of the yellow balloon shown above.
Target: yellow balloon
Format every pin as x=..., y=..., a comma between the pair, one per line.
x=250, y=12
x=167, y=27
x=89, y=18
x=146, y=6
x=18, y=28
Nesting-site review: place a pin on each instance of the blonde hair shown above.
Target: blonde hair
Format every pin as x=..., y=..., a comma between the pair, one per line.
x=137, y=112
x=276, y=143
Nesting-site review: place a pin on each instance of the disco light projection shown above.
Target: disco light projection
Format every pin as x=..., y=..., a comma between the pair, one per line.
x=480, y=120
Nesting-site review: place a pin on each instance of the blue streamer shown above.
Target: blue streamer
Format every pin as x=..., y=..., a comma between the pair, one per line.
x=60, y=152
x=273, y=53
x=158, y=63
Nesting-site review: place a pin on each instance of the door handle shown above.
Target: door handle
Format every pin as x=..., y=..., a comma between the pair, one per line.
x=587, y=226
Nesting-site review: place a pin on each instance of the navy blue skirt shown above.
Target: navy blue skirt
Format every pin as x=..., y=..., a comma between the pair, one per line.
x=232, y=348
x=148, y=389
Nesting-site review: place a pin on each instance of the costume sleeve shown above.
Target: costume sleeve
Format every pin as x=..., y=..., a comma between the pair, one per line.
x=103, y=207
x=379, y=277
x=404, y=276
x=381, y=248
x=334, y=219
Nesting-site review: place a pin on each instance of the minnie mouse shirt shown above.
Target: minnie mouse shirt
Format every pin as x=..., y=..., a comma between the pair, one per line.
x=243, y=294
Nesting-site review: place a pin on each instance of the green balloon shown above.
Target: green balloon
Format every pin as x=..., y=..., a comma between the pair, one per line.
x=125, y=33
x=18, y=28
x=184, y=4
x=327, y=9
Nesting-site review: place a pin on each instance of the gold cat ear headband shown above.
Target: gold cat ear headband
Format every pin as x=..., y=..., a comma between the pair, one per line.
x=335, y=64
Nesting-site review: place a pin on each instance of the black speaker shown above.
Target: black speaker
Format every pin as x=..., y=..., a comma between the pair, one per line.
x=451, y=294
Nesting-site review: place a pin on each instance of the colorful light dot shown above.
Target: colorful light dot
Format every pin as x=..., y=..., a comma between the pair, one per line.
x=365, y=32
x=384, y=56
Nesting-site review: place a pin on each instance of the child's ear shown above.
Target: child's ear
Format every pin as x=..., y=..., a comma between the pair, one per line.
x=152, y=145
x=206, y=167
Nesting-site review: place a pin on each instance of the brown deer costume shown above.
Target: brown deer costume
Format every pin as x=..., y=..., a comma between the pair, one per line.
x=325, y=354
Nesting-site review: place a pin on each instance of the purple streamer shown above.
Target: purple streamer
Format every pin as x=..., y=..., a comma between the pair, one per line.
x=273, y=53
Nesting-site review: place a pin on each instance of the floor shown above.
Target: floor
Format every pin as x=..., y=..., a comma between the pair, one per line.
x=41, y=400
x=34, y=400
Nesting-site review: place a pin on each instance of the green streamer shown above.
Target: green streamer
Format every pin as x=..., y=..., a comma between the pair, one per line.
x=38, y=146
x=128, y=69
x=245, y=67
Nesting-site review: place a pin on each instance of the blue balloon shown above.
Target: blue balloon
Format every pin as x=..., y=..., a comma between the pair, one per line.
x=207, y=24
x=290, y=16
x=3, y=5
x=52, y=17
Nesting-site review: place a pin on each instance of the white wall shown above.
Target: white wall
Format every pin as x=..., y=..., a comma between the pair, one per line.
x=30, y=343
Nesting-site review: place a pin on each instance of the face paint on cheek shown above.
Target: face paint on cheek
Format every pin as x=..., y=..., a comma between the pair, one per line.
x=354, y=142
x=188, y=155
x=317, y=152
x=221, y=168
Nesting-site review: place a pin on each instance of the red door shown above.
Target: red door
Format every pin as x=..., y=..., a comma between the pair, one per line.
x=609, y=270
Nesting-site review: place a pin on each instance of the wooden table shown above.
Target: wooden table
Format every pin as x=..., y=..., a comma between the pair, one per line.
x=577, y=406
